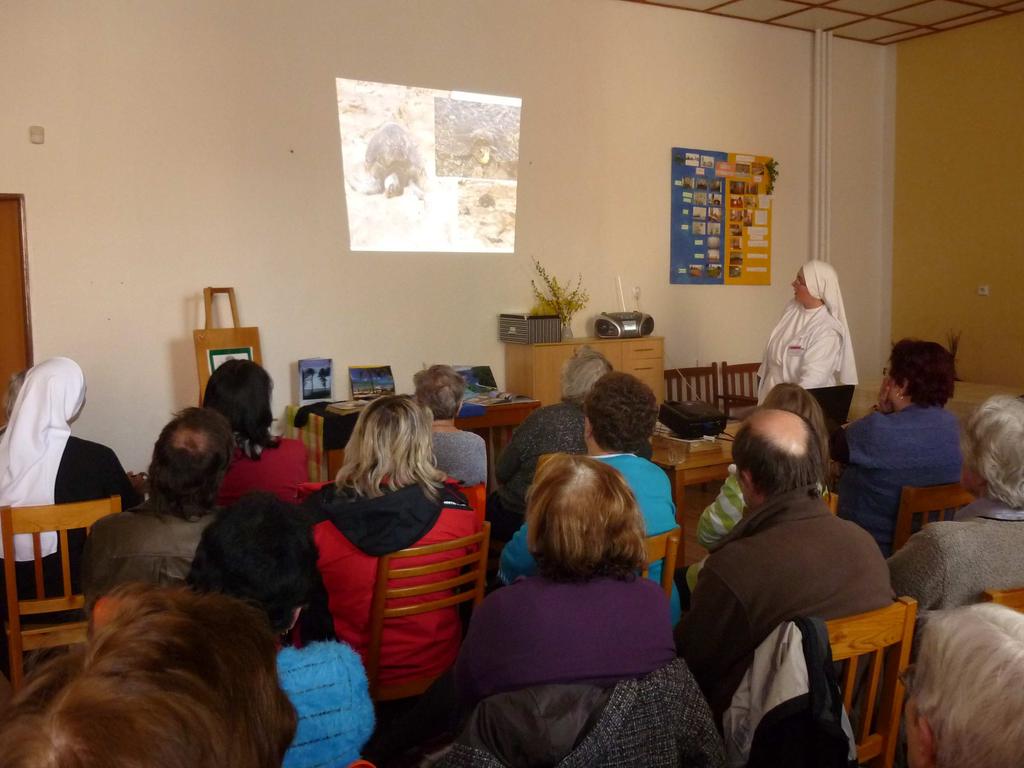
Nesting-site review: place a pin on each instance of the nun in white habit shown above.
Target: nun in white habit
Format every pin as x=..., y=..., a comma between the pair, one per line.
x=41, y=462
x=811, y=343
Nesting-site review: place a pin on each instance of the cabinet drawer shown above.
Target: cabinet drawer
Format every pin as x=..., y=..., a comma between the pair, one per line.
x=635, y=350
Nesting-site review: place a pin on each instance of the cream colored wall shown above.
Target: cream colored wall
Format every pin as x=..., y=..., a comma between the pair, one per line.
x=192, y=143
x=958, y=200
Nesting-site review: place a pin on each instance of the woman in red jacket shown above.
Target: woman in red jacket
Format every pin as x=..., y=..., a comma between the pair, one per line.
x=388, y=496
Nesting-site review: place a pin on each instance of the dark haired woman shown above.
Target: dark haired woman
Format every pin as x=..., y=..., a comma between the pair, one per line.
x=240, y=390
x=910, y=439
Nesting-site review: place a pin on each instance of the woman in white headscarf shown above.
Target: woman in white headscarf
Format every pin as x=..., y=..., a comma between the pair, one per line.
x=811, y=343
x=42, y=463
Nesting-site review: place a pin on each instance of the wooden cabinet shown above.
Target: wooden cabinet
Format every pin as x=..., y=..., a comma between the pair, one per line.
x=535, y=369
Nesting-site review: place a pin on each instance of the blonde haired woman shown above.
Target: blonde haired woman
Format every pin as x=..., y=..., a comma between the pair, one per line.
x=388, y=496
x=587, y=617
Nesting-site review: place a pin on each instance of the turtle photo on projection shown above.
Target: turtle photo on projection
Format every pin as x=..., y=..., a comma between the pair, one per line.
x=393, y=162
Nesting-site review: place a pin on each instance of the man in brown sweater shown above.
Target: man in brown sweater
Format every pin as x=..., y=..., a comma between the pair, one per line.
x=788, y=557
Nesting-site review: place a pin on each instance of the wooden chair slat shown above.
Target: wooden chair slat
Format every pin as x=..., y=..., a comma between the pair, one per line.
x=51, y=605
x=37, y=560
x=397, y=574
x=1011, y=598
x=399, y=593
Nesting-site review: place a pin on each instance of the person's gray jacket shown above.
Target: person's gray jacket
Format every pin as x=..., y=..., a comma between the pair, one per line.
x=949, y=564
x=659, y=720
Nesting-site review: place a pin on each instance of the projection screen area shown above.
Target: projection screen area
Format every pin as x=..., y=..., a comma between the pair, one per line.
x=428, y=170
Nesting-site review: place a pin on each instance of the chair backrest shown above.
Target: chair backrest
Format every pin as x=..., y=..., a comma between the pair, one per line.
x=832, y=499
x=34, y=521
x=439, y=584
x=739, y=385
x=665, y=547
x=692, y=384
x=1011, y=598
x=476, y=496
x=933, y=501
x=885, y=636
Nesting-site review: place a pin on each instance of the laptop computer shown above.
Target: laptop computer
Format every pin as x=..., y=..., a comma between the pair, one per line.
x=835, y=403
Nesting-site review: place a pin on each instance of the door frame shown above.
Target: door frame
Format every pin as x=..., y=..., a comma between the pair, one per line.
x=20, y=199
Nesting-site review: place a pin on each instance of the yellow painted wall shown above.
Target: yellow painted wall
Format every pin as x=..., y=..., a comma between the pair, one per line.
x=958, y=219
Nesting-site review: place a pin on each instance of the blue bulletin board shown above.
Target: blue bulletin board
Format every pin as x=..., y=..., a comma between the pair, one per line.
x=721, y=215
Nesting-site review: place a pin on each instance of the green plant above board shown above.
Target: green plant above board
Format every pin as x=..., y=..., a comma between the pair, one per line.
x=556, y=298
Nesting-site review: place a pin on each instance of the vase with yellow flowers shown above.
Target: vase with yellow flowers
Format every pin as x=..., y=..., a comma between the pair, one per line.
x=554, y=298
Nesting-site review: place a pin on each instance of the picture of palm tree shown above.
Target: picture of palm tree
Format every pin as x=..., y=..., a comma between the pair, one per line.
x=315, y=380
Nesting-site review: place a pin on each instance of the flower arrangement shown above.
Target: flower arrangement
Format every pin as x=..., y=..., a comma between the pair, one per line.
x=557, y=299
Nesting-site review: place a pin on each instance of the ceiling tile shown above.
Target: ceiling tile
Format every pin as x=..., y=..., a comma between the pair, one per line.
x=759, y=10
x=931, y=13
x=872, y=29
x=872, y=7
x=967, y=20
x=818, y=18
x=691, y=5
x=905, y=36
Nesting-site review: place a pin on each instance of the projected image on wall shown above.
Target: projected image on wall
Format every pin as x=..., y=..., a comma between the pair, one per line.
x=428, y=170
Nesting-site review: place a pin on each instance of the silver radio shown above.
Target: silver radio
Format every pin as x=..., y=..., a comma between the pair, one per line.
x=623, y=325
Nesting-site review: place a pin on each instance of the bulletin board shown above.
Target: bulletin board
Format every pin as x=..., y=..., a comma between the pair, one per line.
x=721, y=218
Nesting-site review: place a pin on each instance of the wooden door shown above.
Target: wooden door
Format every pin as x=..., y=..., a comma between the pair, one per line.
x=15, y=328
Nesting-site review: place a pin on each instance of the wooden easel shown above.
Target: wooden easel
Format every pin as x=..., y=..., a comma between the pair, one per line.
x=212, y=343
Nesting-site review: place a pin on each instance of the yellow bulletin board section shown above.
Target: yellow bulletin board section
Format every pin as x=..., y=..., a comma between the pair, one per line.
x=748, y=222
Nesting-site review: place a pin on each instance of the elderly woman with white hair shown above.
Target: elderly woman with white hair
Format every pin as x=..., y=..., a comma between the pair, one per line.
x=811, y=344
x=948, y=564
x=459, y=454
x=965, y=693
x=552, y=429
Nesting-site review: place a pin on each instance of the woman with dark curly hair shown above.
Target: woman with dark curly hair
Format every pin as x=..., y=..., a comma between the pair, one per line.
x=240, y=391
x=587, y=617
x=910, y=439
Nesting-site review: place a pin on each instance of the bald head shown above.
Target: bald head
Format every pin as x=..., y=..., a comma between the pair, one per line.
x=776, y=449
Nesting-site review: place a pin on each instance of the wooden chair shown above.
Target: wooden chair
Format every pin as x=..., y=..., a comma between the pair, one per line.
x=739, y=386
x=833, y=502
x=1011, y=598
x=941, y=501
x=692, y=384
x=886, y=635
x=445, y=581
x=476, y=495
x=666, y=547
x=36, y=520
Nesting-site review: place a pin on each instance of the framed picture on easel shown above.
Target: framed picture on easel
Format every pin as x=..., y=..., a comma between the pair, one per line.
x=215, y=346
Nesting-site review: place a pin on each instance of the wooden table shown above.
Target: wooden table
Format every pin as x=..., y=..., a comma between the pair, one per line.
x=694, y=468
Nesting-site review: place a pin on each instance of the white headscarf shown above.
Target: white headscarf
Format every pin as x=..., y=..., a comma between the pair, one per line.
x=34, y=442
x=823, y=283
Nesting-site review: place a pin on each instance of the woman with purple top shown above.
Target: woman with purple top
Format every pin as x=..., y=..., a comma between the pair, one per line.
x=587, y=617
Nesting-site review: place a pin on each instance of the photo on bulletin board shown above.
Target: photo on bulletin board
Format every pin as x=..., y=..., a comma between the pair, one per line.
x=218, y=357
x=711, y=189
